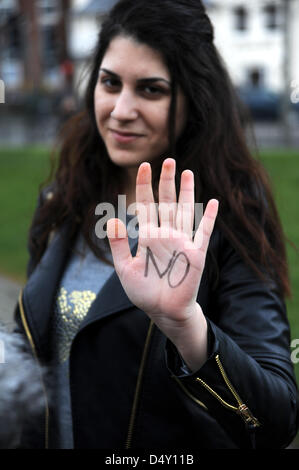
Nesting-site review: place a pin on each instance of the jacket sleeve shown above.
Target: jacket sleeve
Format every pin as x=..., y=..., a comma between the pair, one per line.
x=248, y=380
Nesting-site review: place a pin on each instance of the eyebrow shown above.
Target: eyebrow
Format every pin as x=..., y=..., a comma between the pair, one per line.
x=140, y=80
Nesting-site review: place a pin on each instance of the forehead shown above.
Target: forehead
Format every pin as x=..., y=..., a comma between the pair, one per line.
x=127, y=57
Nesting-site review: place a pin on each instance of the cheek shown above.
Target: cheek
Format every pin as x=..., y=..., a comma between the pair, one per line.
x=102, y=107
x=159, y=118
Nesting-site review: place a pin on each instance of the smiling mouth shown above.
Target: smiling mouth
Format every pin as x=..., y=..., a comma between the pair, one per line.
x=124, y=137
x=125, y=134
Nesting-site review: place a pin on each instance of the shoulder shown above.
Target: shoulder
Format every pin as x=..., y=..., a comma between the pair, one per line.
x=234, y=276
x=37, y=226
x=47, y=193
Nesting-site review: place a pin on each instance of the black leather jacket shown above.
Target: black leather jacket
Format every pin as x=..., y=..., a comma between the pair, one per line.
x=128, y=385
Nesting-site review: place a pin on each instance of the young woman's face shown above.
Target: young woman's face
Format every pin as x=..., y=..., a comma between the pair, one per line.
x=132, y=100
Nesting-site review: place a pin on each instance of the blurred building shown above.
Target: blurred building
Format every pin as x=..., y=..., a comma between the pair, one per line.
x=33, y=43
x=250, y=37
x=48, y=42
x=86, y=18
x=85, y=23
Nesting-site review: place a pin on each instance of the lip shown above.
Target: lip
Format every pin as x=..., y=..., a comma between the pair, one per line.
x=124, y=137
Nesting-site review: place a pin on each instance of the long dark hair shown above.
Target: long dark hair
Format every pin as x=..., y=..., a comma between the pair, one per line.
x=213, y=144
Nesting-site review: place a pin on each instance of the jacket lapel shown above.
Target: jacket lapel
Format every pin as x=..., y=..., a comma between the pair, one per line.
x=111, y=298
x=40, y=292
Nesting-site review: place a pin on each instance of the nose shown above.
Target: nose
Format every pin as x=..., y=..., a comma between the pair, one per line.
x=125, y=106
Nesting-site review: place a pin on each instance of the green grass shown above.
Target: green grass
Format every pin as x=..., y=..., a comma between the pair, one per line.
x=283, y=169
x=22, y=170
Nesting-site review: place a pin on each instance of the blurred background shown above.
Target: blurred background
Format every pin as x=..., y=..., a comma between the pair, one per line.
x=45, y=46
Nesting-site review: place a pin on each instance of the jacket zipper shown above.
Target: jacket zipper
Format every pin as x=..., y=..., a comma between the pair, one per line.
x=241, y=409
x=30, y=339
x=138, y=386
x=197, y=401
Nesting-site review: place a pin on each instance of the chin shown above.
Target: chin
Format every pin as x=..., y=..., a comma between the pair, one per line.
x=126, y=159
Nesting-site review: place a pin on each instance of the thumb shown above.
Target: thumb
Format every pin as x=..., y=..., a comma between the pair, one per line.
x=119, y=243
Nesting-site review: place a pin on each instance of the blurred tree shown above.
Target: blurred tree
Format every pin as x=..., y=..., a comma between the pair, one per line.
x=63, y=30
x=31, y=44
x=63, y=34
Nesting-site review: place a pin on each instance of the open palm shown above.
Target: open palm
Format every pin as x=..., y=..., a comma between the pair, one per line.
x=164, y=277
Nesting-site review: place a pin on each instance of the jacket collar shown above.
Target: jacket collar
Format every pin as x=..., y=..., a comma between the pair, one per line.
x=40, y=292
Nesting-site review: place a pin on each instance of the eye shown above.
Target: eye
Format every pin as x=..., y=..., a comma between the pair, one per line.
x=110, y=83
x=153, y=91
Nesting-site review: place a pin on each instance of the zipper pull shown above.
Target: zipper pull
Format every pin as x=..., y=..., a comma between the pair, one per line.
x=251, y=423
x=248, y=417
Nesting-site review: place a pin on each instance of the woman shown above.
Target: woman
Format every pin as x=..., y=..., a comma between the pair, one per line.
x=181, y=341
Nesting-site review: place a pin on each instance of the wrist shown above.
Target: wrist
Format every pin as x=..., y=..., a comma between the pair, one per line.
x=192, y=343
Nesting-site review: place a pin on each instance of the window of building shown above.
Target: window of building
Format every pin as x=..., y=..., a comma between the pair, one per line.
x=271, y=13
x=48, y=6
x=8, y=5
x=11, y=38
x=241, y=18
x=255, y=77
x=49, y=46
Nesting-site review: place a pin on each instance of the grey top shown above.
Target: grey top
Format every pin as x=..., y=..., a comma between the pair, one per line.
x=84, y=277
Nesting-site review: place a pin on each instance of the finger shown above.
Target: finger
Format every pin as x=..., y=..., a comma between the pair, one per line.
x=206, y=226
x=167, y=194
x=119, y=244
x=185, y=211
x=146, y=209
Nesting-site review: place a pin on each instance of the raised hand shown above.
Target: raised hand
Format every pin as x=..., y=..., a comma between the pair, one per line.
x=164, y=277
